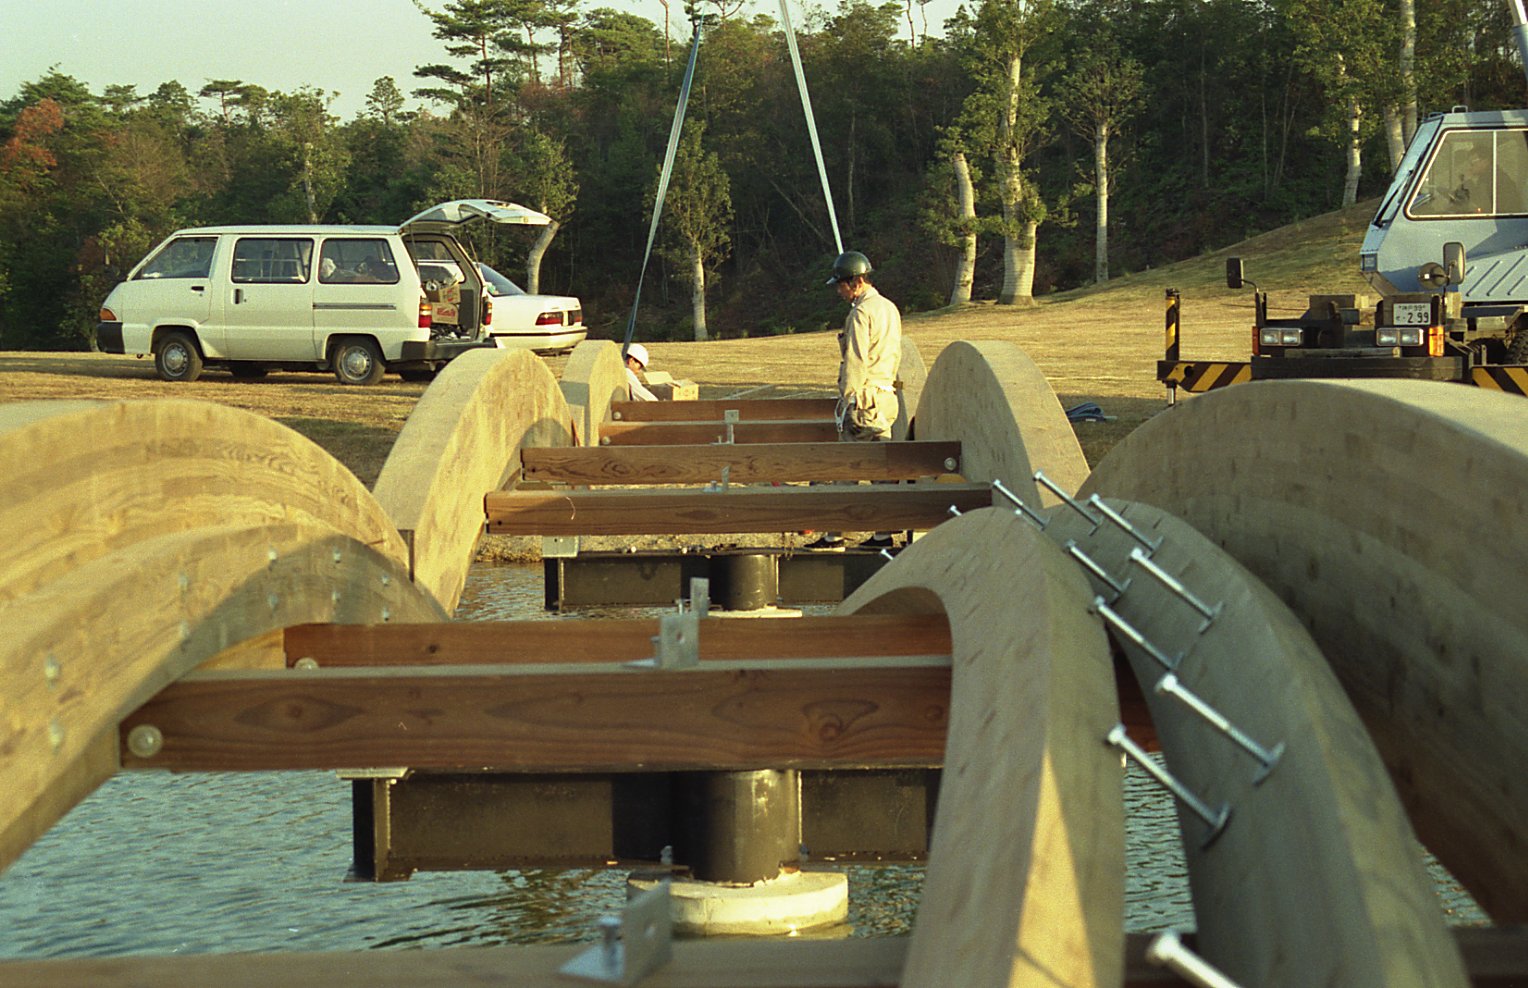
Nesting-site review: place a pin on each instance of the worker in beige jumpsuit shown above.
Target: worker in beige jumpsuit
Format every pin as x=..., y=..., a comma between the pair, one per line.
x=870, y=351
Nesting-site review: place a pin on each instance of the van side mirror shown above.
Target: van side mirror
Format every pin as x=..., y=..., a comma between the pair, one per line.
x=1453, y=262
x=1234, y=272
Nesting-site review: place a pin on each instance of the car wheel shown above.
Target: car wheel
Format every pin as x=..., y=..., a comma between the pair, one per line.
x=248, y=372
x=176, y=358
x=358, y=360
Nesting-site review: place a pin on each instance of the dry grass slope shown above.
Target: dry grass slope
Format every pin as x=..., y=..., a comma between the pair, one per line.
x=1095, y=344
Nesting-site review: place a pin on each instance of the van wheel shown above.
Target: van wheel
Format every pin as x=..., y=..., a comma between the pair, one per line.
x=176, y=358
x=358, y=360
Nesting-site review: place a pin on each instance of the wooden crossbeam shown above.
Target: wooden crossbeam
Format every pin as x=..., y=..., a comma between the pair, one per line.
x=608, y=717
x=786, y=509
x=708, y=433
x=1496, y=958
x=770, y=409
x=746, y=463
x=613, y=640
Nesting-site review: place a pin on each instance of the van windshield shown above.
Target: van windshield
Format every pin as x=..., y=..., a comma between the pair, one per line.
x=183, y=257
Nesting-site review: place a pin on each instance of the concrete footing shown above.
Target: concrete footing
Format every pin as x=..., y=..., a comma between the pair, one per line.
x=797, y=900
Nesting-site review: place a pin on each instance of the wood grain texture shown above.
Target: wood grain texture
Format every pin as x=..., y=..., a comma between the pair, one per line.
x=1390, y=516
x=741, y=509
x=705, y=433
x=80, y=481
x=713, y=409
x=462, y=439
x=912, y=373
x=1025, y=881
x=993, y=399
x=593, y=378
x=732, y=717
x=1497, y=958
x=613, y=640
x=748, y=463
x=1316, y=879
x=83, y=650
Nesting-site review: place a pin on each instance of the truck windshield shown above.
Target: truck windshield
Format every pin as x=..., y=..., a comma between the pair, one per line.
x=1474, y=173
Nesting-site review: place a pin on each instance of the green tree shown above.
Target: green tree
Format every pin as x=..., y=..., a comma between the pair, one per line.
x=548, y=183
x=1005, y=33
x=1099, y=95
x=695, y=219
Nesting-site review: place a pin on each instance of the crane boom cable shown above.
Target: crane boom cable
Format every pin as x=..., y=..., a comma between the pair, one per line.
x=663, y=184
x=811, y=121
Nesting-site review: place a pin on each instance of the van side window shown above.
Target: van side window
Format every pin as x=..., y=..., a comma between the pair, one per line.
x=272, y=260
x=356, y=261
x=183, y=257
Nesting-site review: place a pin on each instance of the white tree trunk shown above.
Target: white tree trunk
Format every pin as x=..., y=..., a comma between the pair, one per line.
x=965, y=268
x=1024, y=262
x=1101, y=223
x=537, y=252
x=698, y=293
x=1395, y=140
x=1010, y=179
x=1355, y=154
x=1407, y=69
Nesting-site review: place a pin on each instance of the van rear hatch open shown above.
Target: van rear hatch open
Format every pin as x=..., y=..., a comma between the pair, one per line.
x=448, y=217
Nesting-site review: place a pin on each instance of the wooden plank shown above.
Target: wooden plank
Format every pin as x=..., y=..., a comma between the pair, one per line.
x=721, y=716
x=1316, y=879
x=613, y=640
x=85, y=649
x=748, y=463
x=1497, y=959
x=992, y=398
x=786, y=509
x=709, y=433
x=1392, y=516
x=463, y=438
x=714, y=409
x=1025, y=882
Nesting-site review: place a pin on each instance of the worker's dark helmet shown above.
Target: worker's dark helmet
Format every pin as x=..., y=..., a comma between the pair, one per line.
x=850, y=264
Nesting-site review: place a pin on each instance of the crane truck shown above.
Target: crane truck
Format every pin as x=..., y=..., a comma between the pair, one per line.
x=1447, y=254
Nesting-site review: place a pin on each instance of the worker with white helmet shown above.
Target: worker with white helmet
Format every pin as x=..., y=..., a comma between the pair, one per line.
x=636, y=361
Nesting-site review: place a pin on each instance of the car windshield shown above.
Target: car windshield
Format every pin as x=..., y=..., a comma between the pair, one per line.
x=497, y=283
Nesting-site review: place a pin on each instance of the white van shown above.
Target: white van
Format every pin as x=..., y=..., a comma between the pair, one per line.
x=351, y=299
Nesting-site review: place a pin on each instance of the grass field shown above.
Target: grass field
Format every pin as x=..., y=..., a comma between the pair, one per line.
x=1098, y=344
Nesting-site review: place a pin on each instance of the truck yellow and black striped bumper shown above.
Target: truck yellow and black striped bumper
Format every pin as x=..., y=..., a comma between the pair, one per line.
x=1196, y=376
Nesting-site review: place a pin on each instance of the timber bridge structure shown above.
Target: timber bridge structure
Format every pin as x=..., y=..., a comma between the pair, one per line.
x=1315, y=587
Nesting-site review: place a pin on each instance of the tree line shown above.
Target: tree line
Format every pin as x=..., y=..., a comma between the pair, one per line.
x=1031, y=146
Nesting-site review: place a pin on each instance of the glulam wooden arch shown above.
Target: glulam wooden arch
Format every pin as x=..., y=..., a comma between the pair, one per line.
x=992, y=397
x=463, y=440
x=142, y=539
x=1392, y=516
x=593, y=378
x=1315, y=879
x=1025, y=882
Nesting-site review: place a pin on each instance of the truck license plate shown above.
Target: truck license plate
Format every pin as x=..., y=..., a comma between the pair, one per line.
x=1411, y=313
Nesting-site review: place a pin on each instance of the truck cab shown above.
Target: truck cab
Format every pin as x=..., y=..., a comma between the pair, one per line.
x=1464, y=180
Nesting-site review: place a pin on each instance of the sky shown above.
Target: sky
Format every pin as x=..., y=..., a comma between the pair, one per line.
x=334, y=45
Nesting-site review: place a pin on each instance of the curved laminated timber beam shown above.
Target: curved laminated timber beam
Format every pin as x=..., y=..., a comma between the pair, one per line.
x=1025, y=883
x=1390, y=516
x=593, y=379
x=1315, y=878
x=993, y=399
x=464, y=438
x=142, y=539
